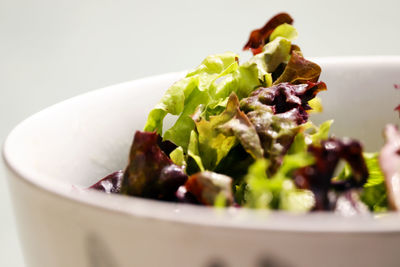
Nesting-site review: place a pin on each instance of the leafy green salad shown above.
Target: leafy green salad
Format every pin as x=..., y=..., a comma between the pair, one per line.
x=243, y=138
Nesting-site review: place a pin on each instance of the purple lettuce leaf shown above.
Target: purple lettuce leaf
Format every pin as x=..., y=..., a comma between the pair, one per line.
x=110, y=184
x=150, y=172
x=318, y=177
x=277, y=113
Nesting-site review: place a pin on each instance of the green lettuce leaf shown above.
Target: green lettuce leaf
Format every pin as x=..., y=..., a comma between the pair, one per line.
x=193, y=151
x=274, y=53
x=241, y=81
x=310, y=134
x=315, y=105
x=284, y=30
x=184, y=96
x=373, y=193
x=258, y=193
x=212, y=82
x=321, y=132
x=172, y=102
x=220, y=133
x=278, y=191
x=179, y=133
x=177, y=156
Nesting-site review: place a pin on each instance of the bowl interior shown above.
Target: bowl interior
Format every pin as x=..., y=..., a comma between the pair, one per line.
x=82, y=139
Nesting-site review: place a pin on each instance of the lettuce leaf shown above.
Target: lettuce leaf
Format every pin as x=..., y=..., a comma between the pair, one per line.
x=193, y=151
x=286, y=196
x=319, y=176
x=321, y=132
x=150, y=172
x=210, y=188
x=374, y=193
x=299, y=70
x=315, y=105
x=177, y=156
x=278, y=191
x=259, y=37
x=110, y=184
x=220, y=133
x=284, y=30
x=274, y=53
x=184, y=96
x=210, y=85
x=179, y=133
x=310, y=134
x=277, y=113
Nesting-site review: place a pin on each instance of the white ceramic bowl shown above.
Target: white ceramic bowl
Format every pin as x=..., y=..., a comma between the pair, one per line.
x=69, y=146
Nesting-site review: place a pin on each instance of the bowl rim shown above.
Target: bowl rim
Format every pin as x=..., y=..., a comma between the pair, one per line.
x=237, y=218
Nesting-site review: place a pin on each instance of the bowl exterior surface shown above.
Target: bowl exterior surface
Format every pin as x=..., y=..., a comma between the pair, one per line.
x=55, y=231
x=61, y=225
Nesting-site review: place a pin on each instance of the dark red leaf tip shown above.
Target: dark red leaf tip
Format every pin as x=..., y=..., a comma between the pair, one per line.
x=259, y=37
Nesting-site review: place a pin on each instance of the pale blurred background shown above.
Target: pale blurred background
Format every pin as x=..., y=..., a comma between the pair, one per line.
x=51, y=50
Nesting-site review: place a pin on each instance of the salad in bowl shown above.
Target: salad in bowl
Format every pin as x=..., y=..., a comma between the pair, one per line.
x=242, y=136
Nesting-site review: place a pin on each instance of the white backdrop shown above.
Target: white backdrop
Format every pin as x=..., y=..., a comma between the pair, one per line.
x=51, y=50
